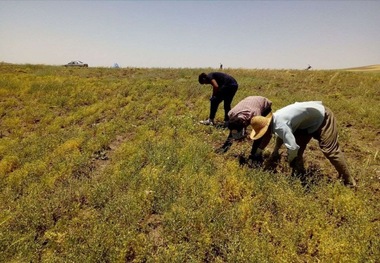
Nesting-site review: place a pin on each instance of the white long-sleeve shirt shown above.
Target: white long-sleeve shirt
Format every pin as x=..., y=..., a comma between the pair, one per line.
x=300, y=115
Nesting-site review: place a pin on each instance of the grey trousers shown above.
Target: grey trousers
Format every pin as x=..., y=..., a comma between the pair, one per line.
x=327, y=137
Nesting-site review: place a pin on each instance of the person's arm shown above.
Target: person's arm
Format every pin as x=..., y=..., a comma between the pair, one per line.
x=275, y=154
x=259, y=145
x=275, y=157
x=286, y=134
x=255, y=151
x=255, y=159
x=215, y=87
x=227, y=144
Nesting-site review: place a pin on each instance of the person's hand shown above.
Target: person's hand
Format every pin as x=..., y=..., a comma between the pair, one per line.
x=273, y=161
x=255, y=161
x=221, y=150
x=292, y=154
x=225, y=147
x=274, y=157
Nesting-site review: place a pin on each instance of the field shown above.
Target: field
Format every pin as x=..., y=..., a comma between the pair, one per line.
x=112, y=165
x=372, y=68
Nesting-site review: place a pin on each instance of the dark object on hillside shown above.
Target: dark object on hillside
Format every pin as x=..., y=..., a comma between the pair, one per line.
x=76, y=63
x=309, y=67
x=221, y=66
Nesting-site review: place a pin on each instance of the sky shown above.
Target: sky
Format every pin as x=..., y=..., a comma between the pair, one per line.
x=192, y=34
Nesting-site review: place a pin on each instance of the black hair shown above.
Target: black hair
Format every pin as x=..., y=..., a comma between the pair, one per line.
x=235, y=124
x=203, y=78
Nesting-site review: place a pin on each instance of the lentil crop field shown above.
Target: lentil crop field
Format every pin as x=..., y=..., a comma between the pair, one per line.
x=112, y=165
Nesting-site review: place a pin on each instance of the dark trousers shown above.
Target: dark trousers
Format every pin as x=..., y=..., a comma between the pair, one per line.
x=225, y=94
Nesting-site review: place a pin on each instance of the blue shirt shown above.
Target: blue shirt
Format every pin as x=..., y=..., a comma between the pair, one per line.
x=300, y=115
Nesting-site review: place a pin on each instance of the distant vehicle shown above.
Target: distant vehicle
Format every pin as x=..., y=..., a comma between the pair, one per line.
x=76, y=63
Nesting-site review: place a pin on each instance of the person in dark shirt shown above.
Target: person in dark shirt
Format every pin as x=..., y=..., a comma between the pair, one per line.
x=224, y=89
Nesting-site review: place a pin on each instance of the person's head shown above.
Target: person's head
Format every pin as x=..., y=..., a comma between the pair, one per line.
x=203, y=79
x=237, y=127
x=260, y=126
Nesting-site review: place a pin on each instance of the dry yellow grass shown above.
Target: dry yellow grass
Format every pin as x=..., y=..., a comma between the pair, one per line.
x=372, y=68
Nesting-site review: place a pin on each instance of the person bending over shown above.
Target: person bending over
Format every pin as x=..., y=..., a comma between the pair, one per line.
x=224, y=88
x=294, y=126
x=240, y=118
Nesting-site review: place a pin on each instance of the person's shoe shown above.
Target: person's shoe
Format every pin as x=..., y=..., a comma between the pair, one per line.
x=207, y=122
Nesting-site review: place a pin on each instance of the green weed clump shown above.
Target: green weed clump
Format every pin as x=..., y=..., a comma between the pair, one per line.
x=111, y=165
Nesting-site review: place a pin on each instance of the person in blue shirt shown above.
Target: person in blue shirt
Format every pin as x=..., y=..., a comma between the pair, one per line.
x=224, y=88
x=294, y=126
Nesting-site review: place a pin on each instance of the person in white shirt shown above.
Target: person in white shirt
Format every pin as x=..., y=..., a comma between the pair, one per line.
x=294, y=126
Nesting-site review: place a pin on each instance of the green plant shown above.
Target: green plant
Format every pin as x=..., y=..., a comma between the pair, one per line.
x=104, y=165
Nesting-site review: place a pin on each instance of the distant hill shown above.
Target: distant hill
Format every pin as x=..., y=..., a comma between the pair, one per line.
x=366, y=68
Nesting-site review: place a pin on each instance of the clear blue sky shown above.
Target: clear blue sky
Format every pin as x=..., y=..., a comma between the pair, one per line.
x=238, y=34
